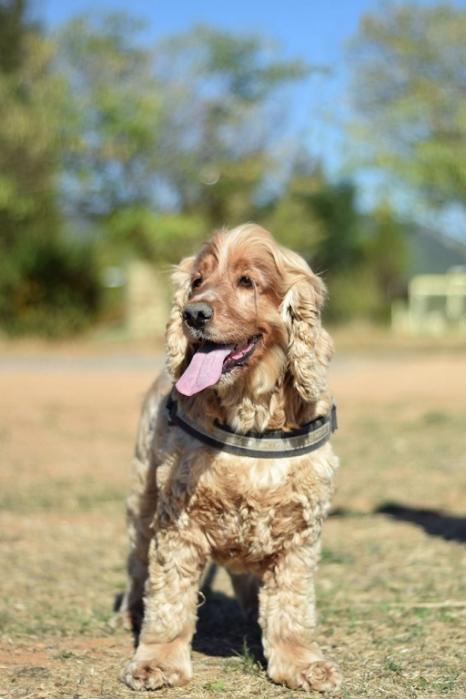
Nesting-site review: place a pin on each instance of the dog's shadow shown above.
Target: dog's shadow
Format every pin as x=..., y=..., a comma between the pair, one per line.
x=434, y=522
x=222, y=630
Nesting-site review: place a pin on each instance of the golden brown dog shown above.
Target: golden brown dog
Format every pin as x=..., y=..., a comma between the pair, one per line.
x=245, y=349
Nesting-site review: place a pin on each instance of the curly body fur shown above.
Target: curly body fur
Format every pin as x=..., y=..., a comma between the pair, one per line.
x=260, y=518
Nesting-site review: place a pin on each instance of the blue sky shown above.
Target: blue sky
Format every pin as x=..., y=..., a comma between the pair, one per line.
x=314, y=30
x=310, y=29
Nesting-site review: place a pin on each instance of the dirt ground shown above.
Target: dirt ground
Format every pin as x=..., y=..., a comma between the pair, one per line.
x=391, y=584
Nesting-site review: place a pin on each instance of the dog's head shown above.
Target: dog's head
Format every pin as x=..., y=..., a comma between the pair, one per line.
x=247, y=310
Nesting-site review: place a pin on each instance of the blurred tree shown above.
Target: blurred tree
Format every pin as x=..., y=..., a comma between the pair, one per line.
x=409, y=91
x=361, y=256
x=113, y=116
x=160, y=237
x=29, y=121
x=222, y=118
x=183, y=127
x=334, y=204
x=386, y=251
x=291, y=214
x=47, y=285
x=318, y=218
x=13, y=27
x=186, y=125
x=155, y=146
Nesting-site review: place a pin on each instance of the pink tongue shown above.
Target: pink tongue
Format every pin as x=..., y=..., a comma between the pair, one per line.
x=204, y=370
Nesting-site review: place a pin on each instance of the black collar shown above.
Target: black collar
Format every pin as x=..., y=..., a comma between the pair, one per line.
x=273, y=444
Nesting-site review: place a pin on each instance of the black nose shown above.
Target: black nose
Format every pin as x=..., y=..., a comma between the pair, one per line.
x=197, y=314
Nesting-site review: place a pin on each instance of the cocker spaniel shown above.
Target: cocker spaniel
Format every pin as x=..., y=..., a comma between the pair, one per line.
x=233, y=461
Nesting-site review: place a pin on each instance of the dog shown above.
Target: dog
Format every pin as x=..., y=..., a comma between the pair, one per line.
x=233, y=460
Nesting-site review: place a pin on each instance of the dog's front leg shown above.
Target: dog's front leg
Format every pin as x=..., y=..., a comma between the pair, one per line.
x=287, y=617
x=163, y=657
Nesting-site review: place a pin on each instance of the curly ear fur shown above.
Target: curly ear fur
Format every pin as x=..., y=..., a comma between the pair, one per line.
x=310, y=347
x=175, y=340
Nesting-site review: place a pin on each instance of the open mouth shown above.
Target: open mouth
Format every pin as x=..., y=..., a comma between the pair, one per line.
x=239, y=354
x=210, y=361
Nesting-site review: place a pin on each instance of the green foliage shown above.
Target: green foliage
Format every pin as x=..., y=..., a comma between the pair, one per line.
x=113, y=115
x=157, y=237
x=386, y=251
x=360, y=257
x=30, y=101
x=181, y=123
x=222, y=120
x=354, y=294
x=292, y=216
x=48, y=287
x=147, y=149
x=409, y=91
x=295, y=225
x=373, y=274
x=318, y=218
x=13, y=22
x=245, y=66
x=335, y=206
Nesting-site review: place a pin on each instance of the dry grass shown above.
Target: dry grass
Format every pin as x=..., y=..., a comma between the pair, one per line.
x=390, y=585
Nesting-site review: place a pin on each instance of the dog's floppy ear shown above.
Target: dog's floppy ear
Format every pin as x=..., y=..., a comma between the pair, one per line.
x=175, y=340
x=310, y=347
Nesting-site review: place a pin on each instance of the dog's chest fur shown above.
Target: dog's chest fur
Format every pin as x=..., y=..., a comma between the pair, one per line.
x=250, y=511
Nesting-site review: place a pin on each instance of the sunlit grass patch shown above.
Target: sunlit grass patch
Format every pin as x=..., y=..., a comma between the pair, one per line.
x=60, y=495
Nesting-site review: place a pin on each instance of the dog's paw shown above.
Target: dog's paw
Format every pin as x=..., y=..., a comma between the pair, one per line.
x=156, y=666
x=317, y=676
x=320, y=676
x=140, y=675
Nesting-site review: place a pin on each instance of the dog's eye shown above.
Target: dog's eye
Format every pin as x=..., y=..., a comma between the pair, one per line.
x=245, y=282
x=196, y=283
